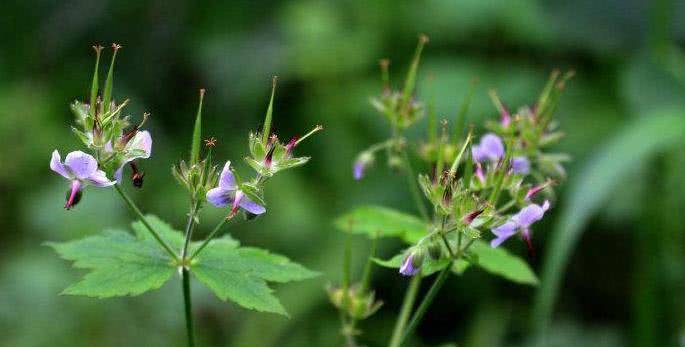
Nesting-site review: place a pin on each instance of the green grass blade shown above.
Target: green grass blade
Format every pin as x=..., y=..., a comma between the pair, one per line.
x=641, y=139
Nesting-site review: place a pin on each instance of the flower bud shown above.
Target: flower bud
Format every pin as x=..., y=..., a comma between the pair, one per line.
x=395, y=162
x=412, y=263
x=363, y=161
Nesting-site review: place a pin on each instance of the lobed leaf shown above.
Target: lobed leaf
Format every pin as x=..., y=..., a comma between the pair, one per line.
x=241, y=275
x=120, y=264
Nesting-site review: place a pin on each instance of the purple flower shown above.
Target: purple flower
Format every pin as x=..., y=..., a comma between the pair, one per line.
x=490, y=148
x=519, y=222
x=81, y=169
x=138, y=147
x=520, y=165
x=227, y=193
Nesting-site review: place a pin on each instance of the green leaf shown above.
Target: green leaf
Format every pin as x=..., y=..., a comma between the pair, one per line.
x=377, y=221
x=124, y=264
x=499, y=261
x=119, y=263
x=241, y=274
x=611, y=164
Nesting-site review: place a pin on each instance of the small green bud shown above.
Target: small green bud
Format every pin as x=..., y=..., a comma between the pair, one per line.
x=435, y=250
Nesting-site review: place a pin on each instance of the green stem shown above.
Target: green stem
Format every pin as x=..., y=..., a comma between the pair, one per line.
x=414, y=187
x=209, y=237
x=188, y=307
x=427, y=300
x=432, y=292
x=366, y=277
x=407, y=304
x=142, y=218
x=189, y=229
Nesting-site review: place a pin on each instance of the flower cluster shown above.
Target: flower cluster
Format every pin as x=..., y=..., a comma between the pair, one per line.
x=110, y=139
x=507, y=168
x=473, y=185
x=268, y=156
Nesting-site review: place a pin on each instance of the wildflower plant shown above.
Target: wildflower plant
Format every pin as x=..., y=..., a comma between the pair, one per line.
x=477, y=192
x=131, y=262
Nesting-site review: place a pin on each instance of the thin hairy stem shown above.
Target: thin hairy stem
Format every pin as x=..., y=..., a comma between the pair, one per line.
x=136, y=210
x=210, y=237
x=427, y=300
x=189, y=229
x=432, y=292
x=407, y=304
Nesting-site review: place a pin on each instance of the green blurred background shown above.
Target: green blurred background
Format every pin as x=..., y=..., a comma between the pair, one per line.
x=625, y=276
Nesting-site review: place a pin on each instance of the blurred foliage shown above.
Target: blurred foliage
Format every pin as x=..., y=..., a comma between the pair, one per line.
x=625, y=276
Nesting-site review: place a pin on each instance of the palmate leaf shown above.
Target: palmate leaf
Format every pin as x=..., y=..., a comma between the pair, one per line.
x=377, y=221
x=241, y=275
x=119, y=263
x=124, y=264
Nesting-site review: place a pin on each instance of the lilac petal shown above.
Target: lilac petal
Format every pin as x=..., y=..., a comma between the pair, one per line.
x=492, y=147
x=80, y=164
x=520, y=165
x=220, y=197
x=530, y=214
x=407, y=268
x=108, y=147
x=141, y=141
x=358, y=170
x=57, y=166
x=227, y=180
x=251, y=206
x=99, y=179
x=503, y=232
x=477, y=154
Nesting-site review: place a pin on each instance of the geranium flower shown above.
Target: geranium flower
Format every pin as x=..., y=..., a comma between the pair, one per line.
x=519, y=222
x=138, y=147
x=490, y=148
x=520, y=165
x=81, y=169
x=227, y=193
